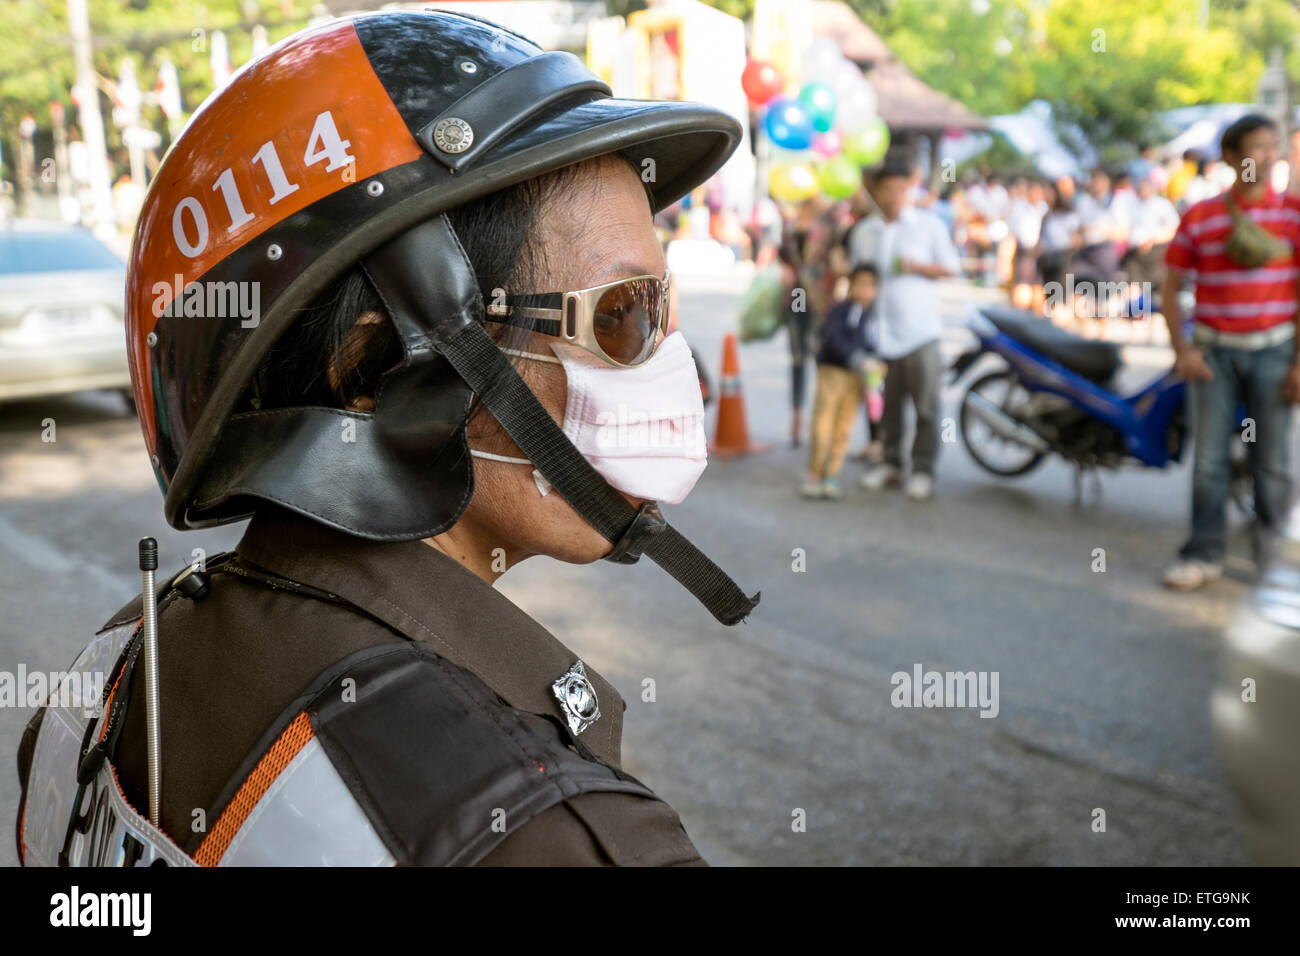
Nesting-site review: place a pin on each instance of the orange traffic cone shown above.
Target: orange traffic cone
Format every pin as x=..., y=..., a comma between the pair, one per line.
x=732, y=438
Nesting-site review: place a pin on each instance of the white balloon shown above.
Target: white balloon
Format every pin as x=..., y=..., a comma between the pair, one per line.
x=821, y=60
x=856, y=108
x=845, y=78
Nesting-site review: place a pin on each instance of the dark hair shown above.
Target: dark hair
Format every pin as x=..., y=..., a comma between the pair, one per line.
x=329, y=358
x=1060, y=201
x=1234, y=134
x=866, y=267
x=894, y=167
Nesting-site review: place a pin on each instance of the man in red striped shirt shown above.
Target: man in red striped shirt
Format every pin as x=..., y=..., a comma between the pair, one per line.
x=1243, y=343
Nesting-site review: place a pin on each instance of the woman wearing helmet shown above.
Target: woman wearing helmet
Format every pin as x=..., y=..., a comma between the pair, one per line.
x=395, y=294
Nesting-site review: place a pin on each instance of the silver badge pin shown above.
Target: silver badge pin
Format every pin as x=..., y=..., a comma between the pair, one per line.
x=577, y=698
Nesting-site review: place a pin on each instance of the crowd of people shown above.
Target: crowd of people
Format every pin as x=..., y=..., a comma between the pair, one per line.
x=861, y=301
x=862, y=305
x=870, y=266
x=1081, y=252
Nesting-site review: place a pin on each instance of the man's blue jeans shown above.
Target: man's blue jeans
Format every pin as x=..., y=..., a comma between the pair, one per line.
x=1255, y=378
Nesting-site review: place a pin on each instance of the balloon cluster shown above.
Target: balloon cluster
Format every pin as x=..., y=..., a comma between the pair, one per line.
x=825, y=133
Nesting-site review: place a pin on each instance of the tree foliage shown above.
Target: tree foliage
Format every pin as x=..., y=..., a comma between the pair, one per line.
x=36, y=62
x=1108, y=66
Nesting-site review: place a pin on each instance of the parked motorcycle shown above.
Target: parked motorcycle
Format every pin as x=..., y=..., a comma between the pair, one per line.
x=1056, y=394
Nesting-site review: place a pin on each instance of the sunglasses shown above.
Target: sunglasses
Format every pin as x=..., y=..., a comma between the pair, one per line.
x=620, y=321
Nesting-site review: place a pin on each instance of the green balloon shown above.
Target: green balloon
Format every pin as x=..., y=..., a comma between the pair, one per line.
x=839, y=177
x=869, y=144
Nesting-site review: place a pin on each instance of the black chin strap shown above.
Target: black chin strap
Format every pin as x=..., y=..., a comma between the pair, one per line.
x=411, y=275
x=485, y=369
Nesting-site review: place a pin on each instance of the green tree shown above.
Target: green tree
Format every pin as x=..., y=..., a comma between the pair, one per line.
x=36, y=65
x=1110, y=66
x=974, y=52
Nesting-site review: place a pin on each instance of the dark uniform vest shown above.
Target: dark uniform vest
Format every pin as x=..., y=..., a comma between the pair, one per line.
x=391, y=754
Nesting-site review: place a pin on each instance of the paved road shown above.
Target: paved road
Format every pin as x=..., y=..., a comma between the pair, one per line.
x=1104, y=678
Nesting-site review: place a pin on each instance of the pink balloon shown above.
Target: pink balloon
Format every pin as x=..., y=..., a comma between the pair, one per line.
x=828, y=143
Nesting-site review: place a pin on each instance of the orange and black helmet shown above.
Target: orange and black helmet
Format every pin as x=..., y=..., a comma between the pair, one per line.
x=336, y=144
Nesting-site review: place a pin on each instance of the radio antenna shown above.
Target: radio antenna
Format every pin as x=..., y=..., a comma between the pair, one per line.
x=149, y=624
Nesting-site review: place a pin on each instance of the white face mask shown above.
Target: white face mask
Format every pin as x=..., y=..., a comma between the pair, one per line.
x=641, y=428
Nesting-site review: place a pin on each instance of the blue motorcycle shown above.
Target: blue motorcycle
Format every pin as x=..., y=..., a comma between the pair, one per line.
x=1056, y=395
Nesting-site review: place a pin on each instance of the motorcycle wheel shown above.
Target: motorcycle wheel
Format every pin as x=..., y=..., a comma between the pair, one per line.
x=985, y=446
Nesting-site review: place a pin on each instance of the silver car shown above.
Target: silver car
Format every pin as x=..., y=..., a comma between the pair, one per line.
x=61, y=296
x=1256, y=707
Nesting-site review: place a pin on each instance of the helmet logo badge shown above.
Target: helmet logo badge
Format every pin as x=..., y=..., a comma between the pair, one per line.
x=577, y=698
x=453, y=135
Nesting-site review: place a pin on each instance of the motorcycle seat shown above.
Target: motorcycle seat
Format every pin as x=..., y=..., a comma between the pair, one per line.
x=1095, y=361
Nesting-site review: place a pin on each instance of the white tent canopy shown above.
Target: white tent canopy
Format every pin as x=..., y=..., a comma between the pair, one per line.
x=1030, y=132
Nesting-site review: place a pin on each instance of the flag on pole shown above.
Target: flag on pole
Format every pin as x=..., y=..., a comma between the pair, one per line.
x=219, y=60
x=168, y=90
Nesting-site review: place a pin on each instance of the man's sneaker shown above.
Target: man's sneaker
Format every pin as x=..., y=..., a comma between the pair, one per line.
x=920, y=487
x=1191, y=574
x=811, y=488
x=880, y=477
x=831, y=488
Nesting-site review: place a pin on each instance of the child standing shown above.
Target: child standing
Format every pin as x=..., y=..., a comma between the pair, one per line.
x=843, y=362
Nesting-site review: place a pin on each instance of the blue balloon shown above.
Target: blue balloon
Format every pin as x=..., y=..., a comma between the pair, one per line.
x=788, y=124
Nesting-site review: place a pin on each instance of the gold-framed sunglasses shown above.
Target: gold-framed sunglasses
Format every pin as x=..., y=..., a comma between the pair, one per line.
x=618, y=321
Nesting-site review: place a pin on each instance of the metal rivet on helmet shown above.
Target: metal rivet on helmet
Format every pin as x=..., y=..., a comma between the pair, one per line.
x=453, y=135
x=151, y=339
x=374, y=188
x=274, y=252
x=468, y=66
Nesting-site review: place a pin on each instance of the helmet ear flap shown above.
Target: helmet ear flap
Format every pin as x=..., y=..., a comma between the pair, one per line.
x=410, y=447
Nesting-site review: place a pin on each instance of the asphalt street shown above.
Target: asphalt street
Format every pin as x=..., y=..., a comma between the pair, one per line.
x=776, y=740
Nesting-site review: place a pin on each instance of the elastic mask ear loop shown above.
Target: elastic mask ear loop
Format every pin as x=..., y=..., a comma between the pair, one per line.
x=537, y=356
x=543, y=485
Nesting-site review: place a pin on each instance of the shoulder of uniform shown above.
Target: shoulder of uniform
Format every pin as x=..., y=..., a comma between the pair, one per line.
x=599, y=829
x=443, y=768
x=129, y=612
x=222, y=569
